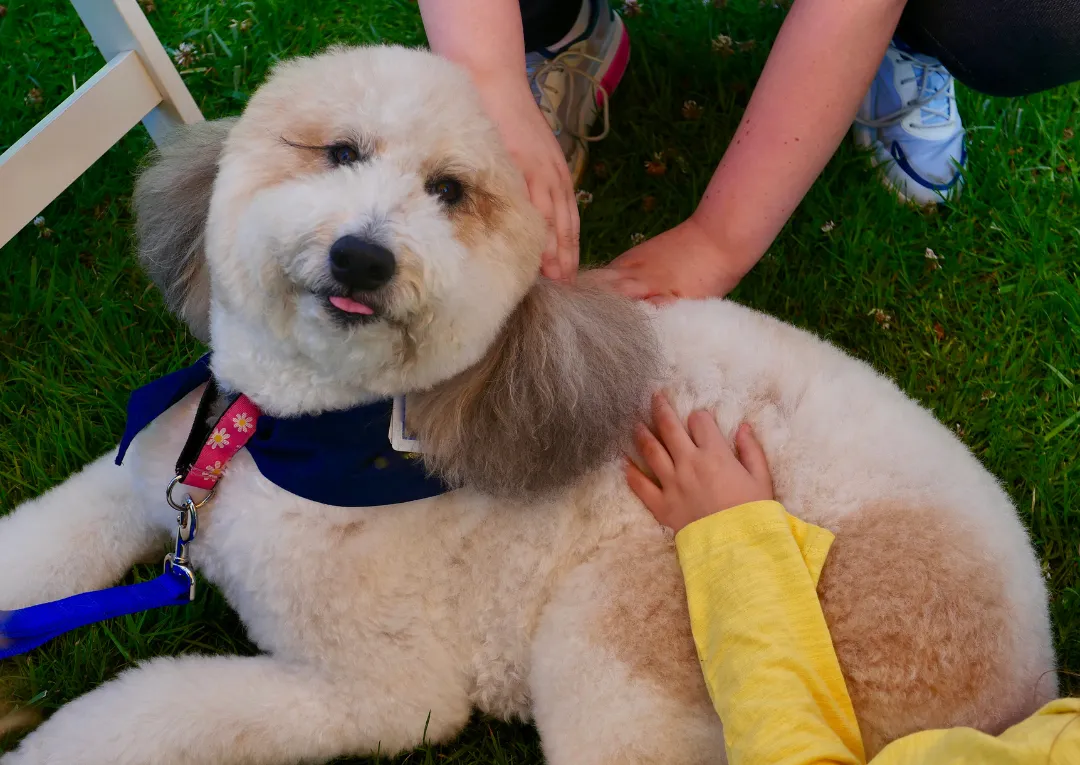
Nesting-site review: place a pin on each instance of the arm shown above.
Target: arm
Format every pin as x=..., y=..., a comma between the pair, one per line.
x=769, y=664
x=820, y=67
x=751, y=576
x=485, y=37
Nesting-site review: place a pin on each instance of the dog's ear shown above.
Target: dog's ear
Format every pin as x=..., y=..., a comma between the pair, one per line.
x=172, y=201
x=556, y=396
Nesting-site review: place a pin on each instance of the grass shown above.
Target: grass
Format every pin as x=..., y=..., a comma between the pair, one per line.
x=990, y=340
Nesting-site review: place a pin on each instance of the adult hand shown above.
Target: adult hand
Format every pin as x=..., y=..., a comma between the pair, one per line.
x=535, y=150
x=682, y=262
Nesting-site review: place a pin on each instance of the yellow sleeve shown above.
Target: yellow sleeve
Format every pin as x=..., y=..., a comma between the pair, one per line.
x=1050, y=736
x=751, y=577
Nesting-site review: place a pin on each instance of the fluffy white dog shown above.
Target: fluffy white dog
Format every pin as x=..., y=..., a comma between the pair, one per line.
x=542, y=589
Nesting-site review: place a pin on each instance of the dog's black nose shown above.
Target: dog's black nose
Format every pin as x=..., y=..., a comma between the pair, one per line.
x=360, y=264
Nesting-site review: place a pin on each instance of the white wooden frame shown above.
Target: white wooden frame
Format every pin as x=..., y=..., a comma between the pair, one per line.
x=137, y=83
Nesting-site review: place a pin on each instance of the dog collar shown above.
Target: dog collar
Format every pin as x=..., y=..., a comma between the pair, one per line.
x=342, y=458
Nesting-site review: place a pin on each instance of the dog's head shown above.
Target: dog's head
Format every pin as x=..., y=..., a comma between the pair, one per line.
x=360, y=232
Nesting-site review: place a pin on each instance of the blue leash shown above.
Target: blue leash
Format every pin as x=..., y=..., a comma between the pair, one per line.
x=27, y=628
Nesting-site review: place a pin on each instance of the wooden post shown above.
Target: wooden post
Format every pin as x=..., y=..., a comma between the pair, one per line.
x=138, y=82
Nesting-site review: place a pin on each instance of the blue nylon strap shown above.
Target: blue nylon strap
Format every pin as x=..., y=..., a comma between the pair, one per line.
x=26, y=628
x=151, y=401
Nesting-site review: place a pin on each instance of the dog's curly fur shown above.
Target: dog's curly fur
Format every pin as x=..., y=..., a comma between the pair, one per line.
x=542, y=589
x=552, y=400
x=172, y=201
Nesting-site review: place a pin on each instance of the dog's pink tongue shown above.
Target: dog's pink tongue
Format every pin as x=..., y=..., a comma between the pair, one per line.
x=349, y=305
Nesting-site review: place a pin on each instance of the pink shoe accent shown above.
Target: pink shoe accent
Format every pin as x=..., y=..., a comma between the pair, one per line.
x=615, y=71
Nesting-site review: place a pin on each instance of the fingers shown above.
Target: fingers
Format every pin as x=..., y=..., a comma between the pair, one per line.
x=566, y=223
x=752, y=456
x=540, y=195
x=554, y=197
x=706, y=433
x=648, y=492
x=573, y=243
x=670, y=428
x=655, y=455
x=549, y=263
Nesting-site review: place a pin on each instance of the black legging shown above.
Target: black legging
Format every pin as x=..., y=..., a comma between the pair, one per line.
x=547, y=21
x=997, y=47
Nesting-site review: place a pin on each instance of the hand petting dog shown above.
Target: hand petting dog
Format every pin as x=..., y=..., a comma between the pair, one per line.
x=697, y=473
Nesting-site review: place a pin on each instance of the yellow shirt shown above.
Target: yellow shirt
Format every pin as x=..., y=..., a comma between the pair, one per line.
x=751, y=582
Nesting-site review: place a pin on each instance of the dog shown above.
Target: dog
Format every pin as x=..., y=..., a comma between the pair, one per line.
x=538, y=587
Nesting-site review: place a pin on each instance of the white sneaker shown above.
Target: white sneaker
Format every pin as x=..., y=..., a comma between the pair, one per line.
x=909, y=120
x=572, y=85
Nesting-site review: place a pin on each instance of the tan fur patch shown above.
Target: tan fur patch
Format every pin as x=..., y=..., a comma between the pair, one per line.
x=298, y=131
x=287, y=164
x=477, y=217
x=288, y=146
x=298, y=150
x=920, y=626
x=479, y=213
x=644, y=621
x=352, y=528
x=767, y=395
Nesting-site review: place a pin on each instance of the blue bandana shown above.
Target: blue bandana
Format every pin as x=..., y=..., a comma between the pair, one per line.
x=341, y=458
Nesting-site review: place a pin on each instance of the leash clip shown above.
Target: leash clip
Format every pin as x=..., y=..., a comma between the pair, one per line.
x=172, y=565
x=187, y=499
x=187, y=526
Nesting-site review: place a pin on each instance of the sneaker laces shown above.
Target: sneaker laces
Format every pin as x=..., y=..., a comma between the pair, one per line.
x=924, y=73
x=539, y=72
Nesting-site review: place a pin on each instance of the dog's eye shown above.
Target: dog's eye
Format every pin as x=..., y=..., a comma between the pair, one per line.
x=447, y=190
x=343, y=154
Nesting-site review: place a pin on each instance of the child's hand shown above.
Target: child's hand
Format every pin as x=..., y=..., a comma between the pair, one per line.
x=697, y=471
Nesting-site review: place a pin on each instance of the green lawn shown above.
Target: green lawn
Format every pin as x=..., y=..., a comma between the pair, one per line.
x=990, y=340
